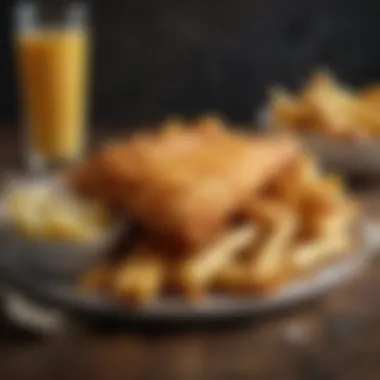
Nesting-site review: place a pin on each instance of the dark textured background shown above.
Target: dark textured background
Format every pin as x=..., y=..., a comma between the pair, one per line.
x=153, y=58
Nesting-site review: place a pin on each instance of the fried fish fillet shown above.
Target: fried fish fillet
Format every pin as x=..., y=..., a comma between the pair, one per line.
x=185, y=187
x=132, y=159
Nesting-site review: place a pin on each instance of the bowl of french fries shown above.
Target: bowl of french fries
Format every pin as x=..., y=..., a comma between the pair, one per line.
x=339, y=124
x=220, y=220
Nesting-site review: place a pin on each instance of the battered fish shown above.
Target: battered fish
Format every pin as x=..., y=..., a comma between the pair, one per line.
x=187, y=186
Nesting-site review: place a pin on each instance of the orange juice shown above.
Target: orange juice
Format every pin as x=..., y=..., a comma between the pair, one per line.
x=53, y=82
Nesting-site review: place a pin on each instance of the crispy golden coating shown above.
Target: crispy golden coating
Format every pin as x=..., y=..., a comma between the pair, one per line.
x=184, y=186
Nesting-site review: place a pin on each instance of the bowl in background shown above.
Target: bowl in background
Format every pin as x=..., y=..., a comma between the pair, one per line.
x=349, y=158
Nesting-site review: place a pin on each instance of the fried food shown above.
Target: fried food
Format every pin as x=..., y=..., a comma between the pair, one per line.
x=292, y=182
x=133, y=159
x=141, y=277
x=286, y=110
x=327, y=107
x=331, y=239
x=306, y=218
x=263, y=267
x=371, y=95
x=98, y=279
x=250, y=214
x=185, y=187
x=194, y=274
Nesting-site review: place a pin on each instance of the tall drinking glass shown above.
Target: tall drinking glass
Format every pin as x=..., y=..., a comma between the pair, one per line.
x=51, y=50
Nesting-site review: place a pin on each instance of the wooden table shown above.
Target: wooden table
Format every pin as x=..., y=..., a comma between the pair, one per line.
x=336, y=337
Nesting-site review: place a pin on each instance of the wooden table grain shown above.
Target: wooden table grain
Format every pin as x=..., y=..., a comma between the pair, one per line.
x=334, y=337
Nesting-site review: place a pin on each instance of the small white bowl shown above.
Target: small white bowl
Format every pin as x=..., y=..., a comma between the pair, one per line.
x=56, y=258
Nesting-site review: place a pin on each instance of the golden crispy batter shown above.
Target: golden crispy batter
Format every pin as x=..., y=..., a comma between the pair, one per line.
x=185, y=185
x=128, y=161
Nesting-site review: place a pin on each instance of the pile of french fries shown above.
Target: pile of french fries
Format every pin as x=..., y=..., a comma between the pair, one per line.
x=326, y=107
x=295, y=225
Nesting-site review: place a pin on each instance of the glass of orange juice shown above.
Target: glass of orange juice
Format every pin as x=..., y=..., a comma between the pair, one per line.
x=51, y=50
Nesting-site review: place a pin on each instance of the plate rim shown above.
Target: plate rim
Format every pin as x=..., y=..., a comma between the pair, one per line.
x=67, y=298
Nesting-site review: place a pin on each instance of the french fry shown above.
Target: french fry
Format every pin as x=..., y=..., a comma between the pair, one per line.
x=371, y=95
x=329, y=102
x=329, y=108
x=266, y=264
x=308, y=255
x=330, y=235
x=263, y=211
x=323, y=202
x=265, y=269
x=233, y=278
x=338, y=221
x=211, y=123
x=323, y=195
x=196, y=273
x=141, y=276
x=172, y=126
x=285, y=109
x=330, y=242
x=365, y=118
x=291, y=186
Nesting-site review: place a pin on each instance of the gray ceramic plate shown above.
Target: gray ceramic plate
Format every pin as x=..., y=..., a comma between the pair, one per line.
x=25, y=277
